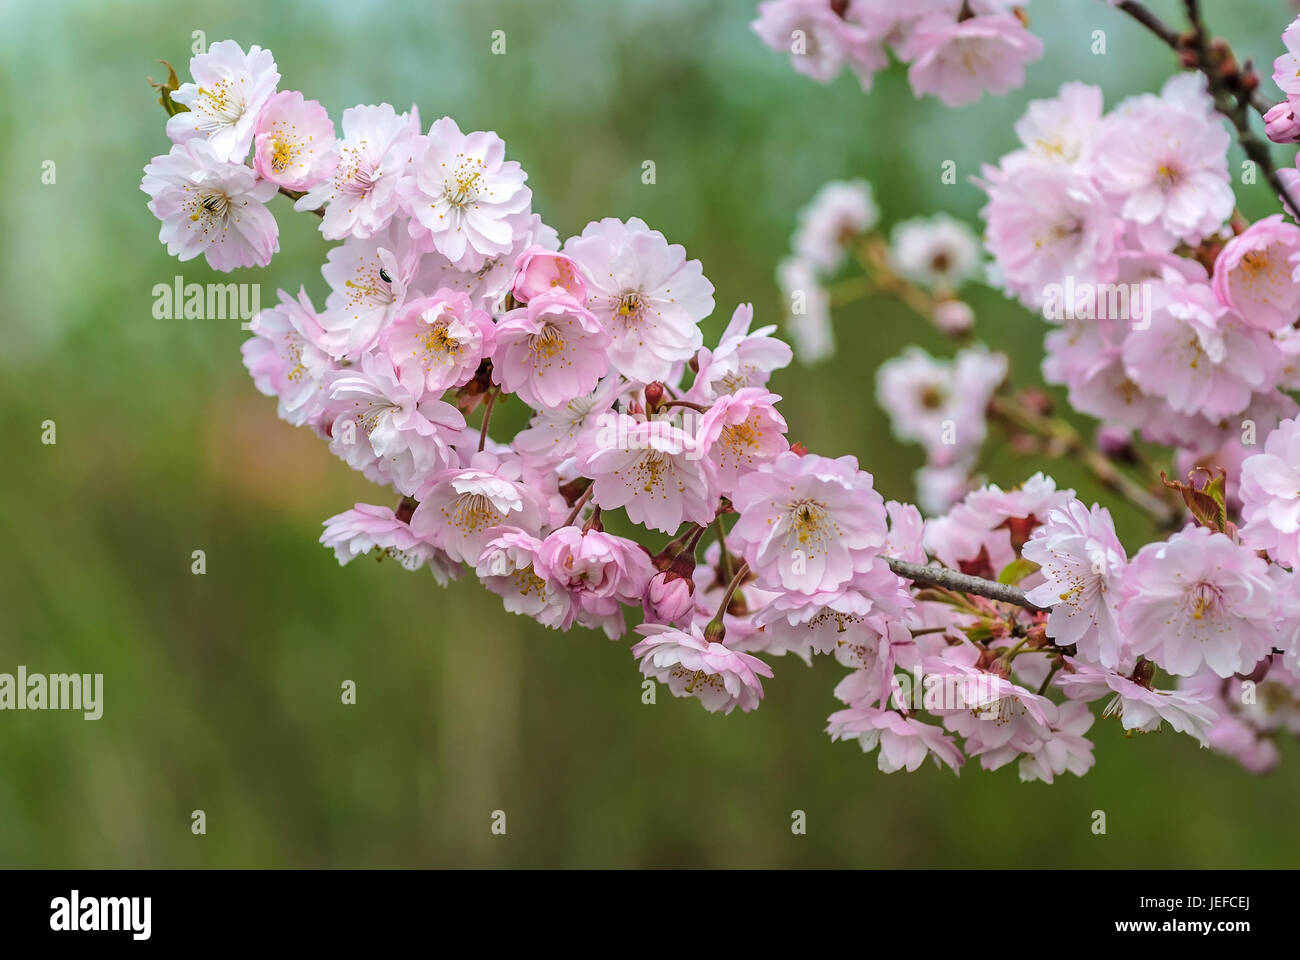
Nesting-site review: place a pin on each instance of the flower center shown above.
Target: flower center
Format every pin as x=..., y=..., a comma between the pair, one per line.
x=546, y=345
x=212, y=205
x=466, y=186
x=1205, y=599
x=283, y=152
x=630, y=305
x=218, y=106
x=474, y=512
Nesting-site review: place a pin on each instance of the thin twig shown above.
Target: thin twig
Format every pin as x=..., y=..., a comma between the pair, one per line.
x=295, y=194
x=487, y=417
x=1051, y=428
x=577, y=507
x=1231, y=100
x=936, y=576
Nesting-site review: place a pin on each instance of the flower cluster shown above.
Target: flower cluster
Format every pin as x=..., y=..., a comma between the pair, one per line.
x=983, y=632
x=956, y=49
x=932, y=257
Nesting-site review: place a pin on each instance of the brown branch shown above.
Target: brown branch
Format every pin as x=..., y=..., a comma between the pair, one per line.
x=933, y=575
x=295, y=194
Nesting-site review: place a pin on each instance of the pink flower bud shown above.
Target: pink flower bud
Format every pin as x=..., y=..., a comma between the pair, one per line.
x=1280, y=123
x=954, y=316
x=669, y=598
x=538, y=270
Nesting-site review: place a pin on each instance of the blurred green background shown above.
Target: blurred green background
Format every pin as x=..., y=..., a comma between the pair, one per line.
x=222, y=691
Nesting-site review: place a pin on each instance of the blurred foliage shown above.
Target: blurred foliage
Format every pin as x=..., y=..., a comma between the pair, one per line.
x=222, y=691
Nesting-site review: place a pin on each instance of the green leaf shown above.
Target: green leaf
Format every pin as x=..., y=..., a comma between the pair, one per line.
x=1016, y=570
x=165, y=89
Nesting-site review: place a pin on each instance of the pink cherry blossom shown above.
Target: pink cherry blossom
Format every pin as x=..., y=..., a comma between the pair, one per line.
x=808, y=319
x=488, y=286
x=938, y=252
x=550, y=351
x=1280, y=123
x=651, y=469
x=837, y=215
x=1286, y=68
x=668, y=599
x=212, y=207
x=1082, y=562
x=742, y=358
x=370, y=529
x=1138, y=707
x=998, y=718
x=552, y=435
x=600, y=572
x=385, y=425
x=940, y=404
x=374, y=154
x=982, y=534
x=226, y=96
x=739, y=432
x=460, y=506
x=959, y=60
x=1253, y=274
x=1270, y=496
x=820, y=40
x=441, y=339
x=286, y=358
x=692, y=666
x=1196, y=598
x=805, y=623
x=539, y=270
x=1167, y=165
x=808, y=524
x=294, y=145
x=369, y=280
x=510, y=565
x=1066, y=751
x=1060, y=130
x=1046, y=222
x=645, y=292
x=904, y=742
x=906, y=532
x=465, y=196
x=1197, y=355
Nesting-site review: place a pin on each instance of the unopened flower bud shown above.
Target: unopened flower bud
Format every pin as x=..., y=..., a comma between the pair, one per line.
x=954, y=316
x=669, y=598
x=654, y=395
x=1280, y=123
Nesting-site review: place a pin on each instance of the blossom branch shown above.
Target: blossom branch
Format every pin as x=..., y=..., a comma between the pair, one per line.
x=1060, y=431
x=933, y=575
x=172, y=107
x=1233, y=93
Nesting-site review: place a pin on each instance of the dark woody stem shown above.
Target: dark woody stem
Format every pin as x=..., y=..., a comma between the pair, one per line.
x=295, y=194
x=936, y=576
x=698, y=407
x=577, y=507
x=487, y=417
